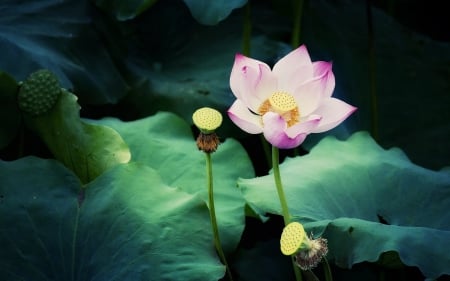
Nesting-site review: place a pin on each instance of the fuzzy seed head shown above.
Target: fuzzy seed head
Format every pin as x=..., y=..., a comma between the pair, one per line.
x=310, y=258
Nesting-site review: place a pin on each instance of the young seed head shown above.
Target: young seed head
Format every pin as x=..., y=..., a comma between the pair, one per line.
x=292, y=238
x=207, y=119
x=39, y=92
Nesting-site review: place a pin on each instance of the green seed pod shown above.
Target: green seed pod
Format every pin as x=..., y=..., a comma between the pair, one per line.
x=39, y=92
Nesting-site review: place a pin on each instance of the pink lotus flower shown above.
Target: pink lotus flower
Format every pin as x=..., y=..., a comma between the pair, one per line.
x=288, y=102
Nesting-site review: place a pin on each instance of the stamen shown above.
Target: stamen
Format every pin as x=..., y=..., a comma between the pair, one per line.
x=264, y=108
x=283, y=104
x=309, y=258
x=293, y=117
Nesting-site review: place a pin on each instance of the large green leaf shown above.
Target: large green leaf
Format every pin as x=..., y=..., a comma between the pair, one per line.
x=192, y=70
x=59, y=35
x=125, y=10
x=212, y=12
x=130, y=226
x=165, y=142
x=365, y=201
x=410, y=70
x=86, y=149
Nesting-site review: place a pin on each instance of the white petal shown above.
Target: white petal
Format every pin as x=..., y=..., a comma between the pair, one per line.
x=304, y=127
x=274, y=132
x=333, y=112
x=295, y=67
x=244, y=119
x=251, y=81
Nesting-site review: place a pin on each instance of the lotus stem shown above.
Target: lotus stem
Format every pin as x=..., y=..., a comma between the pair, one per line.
x=296, y=29
x=212, y=215
x=327, y=270
x=279, y=185
x=283, y=201
x=247, y=30
x=372, y=72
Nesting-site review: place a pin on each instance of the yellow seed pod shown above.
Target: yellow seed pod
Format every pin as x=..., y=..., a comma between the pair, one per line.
x=282, y=102
x=207, y=119
x=292, y=238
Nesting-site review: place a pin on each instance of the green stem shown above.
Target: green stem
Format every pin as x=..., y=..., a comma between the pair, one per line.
x=247, y=30
x=283, y=201
x=74, y=242
x=266, y=149
x=212, y=215
x=279, y=185
x=327, y=270
x=297, y=272
x=372, y=72
x=391, y=7
x=298, y=11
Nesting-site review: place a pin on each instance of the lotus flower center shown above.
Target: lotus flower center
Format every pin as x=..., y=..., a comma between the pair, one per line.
x=283, y=104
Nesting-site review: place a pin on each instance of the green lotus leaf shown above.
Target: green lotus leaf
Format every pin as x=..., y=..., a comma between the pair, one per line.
x=182, y=76
x=60, y=35
x=366, y=201
x=404, y=60
x=128, y=225
x=125, y=10
x=165, y=142
x=212, y=12
x=86, y=149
